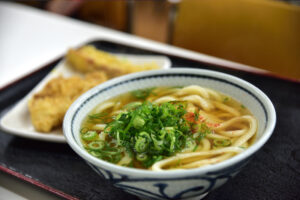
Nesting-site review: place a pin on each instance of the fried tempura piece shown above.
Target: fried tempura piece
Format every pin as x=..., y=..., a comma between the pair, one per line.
x=48, y=112
x=88, y=59
x=48, y=107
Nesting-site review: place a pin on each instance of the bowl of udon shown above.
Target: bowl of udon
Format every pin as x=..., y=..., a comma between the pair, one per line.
x=170, y=134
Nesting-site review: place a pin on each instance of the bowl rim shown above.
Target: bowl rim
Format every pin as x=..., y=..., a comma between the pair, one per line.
x=270, y=125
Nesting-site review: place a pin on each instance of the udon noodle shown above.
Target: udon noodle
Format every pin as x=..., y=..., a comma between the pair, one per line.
x=167, y=128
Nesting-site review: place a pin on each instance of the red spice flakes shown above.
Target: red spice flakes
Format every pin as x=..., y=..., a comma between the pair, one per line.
x=215, y=125
x=190, y=116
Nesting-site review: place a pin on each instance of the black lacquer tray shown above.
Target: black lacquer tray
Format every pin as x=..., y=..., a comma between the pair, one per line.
x=273, y=173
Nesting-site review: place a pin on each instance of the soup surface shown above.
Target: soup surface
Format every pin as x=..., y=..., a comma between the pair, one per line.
x=168, y=128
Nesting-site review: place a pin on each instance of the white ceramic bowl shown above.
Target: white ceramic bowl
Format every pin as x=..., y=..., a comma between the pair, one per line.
x=176, y=184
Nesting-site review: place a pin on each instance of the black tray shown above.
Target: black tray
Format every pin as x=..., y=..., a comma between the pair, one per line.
x=273, y=173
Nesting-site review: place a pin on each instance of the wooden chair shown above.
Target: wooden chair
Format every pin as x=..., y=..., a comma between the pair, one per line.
x=260, y=33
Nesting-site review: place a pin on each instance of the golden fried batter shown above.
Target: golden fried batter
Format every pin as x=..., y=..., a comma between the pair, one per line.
x=48, y=107
x=88, y=59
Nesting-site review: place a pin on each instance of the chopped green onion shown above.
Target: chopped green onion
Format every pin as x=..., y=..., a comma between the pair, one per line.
x=151, y=132
x=190, y=143
x=225, y=99
x=141, y=144
x=141, y=157
x=195, y=148
x=169, y=129
x=111, y=152
x=98, y=117
x=95, y=153
x=84, y=130
x=165, y=113
x=158, y=144
x=138, y=122
x=96, y=145
x=172, y=145
x=89, y=135
x=162, y=133
x=145, y=135
x=178, y=163
x=132, y=105
x=142, y=94
x=118, y=138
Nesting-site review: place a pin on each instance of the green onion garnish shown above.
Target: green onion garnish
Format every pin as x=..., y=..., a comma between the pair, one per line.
x=96, y=145
x=89, y=135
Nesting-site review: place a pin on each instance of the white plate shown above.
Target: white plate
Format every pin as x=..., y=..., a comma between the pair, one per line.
x=17, y=120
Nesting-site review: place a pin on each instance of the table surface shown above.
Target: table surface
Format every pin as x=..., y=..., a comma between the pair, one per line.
x=54, y=34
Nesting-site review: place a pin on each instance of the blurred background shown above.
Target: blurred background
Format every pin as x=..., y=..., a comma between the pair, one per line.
x=260, y=33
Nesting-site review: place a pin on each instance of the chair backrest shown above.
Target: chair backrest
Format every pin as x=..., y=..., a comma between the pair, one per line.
x=260, y=33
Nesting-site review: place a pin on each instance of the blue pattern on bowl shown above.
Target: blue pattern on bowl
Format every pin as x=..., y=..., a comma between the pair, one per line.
x=159, y=184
